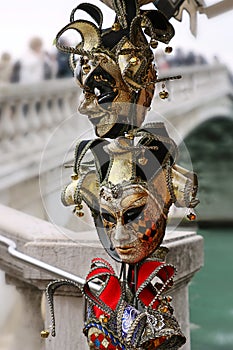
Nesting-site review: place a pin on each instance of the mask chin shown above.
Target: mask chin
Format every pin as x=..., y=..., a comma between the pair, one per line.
x=112, y=130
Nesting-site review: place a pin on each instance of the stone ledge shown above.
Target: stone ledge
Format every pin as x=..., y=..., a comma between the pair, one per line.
x=49, y=243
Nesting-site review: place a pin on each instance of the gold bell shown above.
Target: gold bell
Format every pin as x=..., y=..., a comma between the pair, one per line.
x=143, y=23
x=78, y=207
x=77, y=211
x=168, y=49
x=143, y=161
x=116, y=26
x=191, y=216
x=129, y=136
x=133, y=61
x=163, y=94
x=74, y=177
x=86, y=68
x=103, y=318
x=164, y=309
x=154, y=43
x=168, y=298
x=44, y=334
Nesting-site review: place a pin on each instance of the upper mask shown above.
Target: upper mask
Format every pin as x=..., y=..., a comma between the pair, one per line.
x=115, y=67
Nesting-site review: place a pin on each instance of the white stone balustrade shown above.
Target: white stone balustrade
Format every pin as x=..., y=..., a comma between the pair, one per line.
x=29, y=112
x=48, y=243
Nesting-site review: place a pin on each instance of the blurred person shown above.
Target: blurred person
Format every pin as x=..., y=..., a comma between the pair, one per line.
x=201, y=59
x=178, y=59
x=15, y=76
x=52, y=64
x=63, y=69
x=6, y=67
x=161, y=60
x=34, y=65
x=190, y=59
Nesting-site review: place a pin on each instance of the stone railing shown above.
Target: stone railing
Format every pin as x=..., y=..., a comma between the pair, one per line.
x=30, y=112
x=47, y=243
x=33, y=117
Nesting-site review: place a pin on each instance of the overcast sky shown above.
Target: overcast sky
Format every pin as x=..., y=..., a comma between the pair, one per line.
x=22, y=19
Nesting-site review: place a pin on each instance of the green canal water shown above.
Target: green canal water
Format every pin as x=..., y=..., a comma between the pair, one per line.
x=211, y=293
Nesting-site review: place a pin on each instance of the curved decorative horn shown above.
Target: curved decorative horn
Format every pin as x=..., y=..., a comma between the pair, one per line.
x=91, y=37
x=137, y=36
x=91, y=10
x=157, y=26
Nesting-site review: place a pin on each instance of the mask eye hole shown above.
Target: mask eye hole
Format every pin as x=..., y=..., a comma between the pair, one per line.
x=132, y=214
x=108, y=217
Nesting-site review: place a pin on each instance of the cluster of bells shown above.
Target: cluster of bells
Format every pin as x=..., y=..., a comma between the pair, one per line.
x=134, y=60
x=154, y=44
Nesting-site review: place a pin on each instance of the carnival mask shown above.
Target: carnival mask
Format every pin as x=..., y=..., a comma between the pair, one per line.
x=131, y=191
x=135, y=218
x=114, y=67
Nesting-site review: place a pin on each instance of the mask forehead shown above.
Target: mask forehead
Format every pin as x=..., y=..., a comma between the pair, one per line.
x=128, y=197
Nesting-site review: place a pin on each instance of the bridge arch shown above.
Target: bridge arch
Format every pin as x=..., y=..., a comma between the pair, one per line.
x=207, y=114
x=210, y=146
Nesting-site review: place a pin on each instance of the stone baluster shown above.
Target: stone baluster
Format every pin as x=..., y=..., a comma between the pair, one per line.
x=56, y=109
x=34, y=122
x=29, y=113
x=7, y=128
x=68, y=113
x=21, y=125
x=57, y=115
x=26, y=318
x=46, y=116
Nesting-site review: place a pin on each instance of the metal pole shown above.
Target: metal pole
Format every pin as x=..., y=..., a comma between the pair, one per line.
x=12, y=250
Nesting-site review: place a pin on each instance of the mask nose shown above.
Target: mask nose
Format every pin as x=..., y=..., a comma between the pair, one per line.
x=122, y=235
x=88, y=104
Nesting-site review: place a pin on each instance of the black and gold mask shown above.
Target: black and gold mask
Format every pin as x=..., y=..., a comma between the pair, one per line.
x=114, y=67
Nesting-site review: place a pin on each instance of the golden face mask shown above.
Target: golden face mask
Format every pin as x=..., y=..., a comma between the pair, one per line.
x=135, y=217
x=130, y=189
x=114, y=67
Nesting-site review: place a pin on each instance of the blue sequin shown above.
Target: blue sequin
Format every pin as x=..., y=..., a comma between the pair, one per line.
x=97, y=342
x=129, y=315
